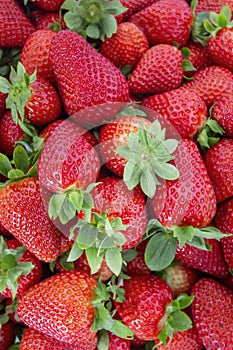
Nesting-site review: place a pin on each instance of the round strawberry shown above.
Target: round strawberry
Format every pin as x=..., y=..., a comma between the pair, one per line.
x=10, y=133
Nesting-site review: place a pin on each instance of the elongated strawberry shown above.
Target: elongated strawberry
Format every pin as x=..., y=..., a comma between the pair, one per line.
x=218, y=161
x=159, y=70
x=7, y=335
x=185, y=110
x=24, y=215
x=10, y=133
x=84, y=77
x=15, y=26
x=222, y=112
x=212, y=313
x=165, y=22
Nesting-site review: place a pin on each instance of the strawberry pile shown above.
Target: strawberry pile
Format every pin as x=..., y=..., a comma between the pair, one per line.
x=116, y=174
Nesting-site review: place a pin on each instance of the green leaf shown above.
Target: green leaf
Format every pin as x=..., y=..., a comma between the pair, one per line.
x=8, y=262
x=114, y=260
x=4, y=85
x=94, y=260
x=129, y=255
x=179, y=321
x=199, y=242
x=3, y=282
x=20, y=158
x=187, y=66
x=87, y=236
x=222, y=20
x=92, y=31
x=55, y=205
x=121, y=330
x=208, y=26
x=185, y=52
x=76, y=198
x=3, y=319
x=109, y=25
x=15, y=174
x=184, y=300
x=68, y=5
x=5, y=165
x=148, y=183
x=183, y=234
x=226, y=11
x=75, y=253
x=103, y=340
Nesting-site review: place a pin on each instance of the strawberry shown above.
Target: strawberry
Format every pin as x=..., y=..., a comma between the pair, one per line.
x=145, y=307
x=214, y=6
x=2, y=103
x=35, y=54
x=137, y=266
x=198, y=56
x=10, y=133
x=211, y=83
x=219, y=162
x=126, y=47
x=185, y=110
x=159, y=70
x=21, y=269
x=7, y=335
x=132, y=7
x=224, y=221
x=165, y=22
x=15, y=26
x=118, y=343
x=222, y=112
x=212, y=313
x=48, y=5
x=47, y=20
x=22, y=213
x=4, y=232
x=92, y=79
x=187, y=340
x=33, y=339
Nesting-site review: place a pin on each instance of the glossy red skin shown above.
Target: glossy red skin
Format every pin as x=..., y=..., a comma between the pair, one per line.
x=223, y=113
x=185, y=110
x=118, y=343
x=165, y=22
x=4, y=232
x=35, y=54
x=214, y=6
x=35, y=340
x=213, y=314
x=143, y=310
x=132, y=7
x=159, y=70
x=44, y=104
x=48, y=5
x=198, y=57
x=22, y=213
x=67, y=297
x=189, y=200
x=24, y=282
x=44, y=20
x=211, y=262
x=187, y=340
x=15, y=26
x=115, y=134
x=224, y=222
x=9, y=134
x=210, y=83
x=112, y=195
x=2, y=103
x=7, y=336
x=219, y=48
x=138, y=266
x=219, y=163
x=88, y=81
x=126, y=47
x=67, y=159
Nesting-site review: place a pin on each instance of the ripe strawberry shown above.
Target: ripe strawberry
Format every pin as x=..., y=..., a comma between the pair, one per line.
x=19, y=276
x=211, y=83
x=187, y=340
x=4, y=232
x=7, y=335
x=15, y=26
x=212, y=313
x=2, y=103
x=198, y=57
x=132, y=7
x=10, y=132
x=33, y=339
x=118, y=343
x=159, y=70
x=185, y=110
x=214, y=6
x=222, y=112
x=219, y=163
x=165, y=22
x=126, y=47
x=46, y=20
x=48, y=5
x=35, y=54
x=23, y=214
x=84, y=77
x=138, y=266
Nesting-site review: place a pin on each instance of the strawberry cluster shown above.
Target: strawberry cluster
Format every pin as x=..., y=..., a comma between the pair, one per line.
x=116, y=174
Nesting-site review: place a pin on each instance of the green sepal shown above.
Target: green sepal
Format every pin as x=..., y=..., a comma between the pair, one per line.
x=210, y=134
x=15, y=346
x=114, y=260
x=5, y=165
x=74, y=253
x=94, y=259
x=3, y=319
x=8, y=57
x=20, y=158
x=103, y=340
x=15, y=174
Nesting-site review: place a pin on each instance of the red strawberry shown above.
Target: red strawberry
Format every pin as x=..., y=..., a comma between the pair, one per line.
x=10, y=132
x=214, y=6
x=84, y=77
x=212, y=314
x=211, y=83
x=22, y=213
x=185, y=110
x=15, y=26
x=126, y=47
x=219, y=163
x=222, y=112
x=19, y=276
x=165, y=22
x=132, y=7
x=46, y=20
x=4, y=232
x=118, y=343
x=198, y=57
x=48, y=5
x=159, y=70
x=187, y=340
x=2, y=103
x=7, y=335
x=138, y=266
x=35, y=54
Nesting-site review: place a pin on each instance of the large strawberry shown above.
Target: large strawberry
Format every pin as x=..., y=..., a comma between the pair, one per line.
x=212, y=314
x=165, y=22
x=15, y=26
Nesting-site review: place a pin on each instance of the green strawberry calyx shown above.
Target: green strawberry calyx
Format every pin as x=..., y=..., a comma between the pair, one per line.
x=210, y=134
x=10, y=268
x=161, y=248
x=100, y=238
x=94, y=18
x=148, y=154
x=8, y=57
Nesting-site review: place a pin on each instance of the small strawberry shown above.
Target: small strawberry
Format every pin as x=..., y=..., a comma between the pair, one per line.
x=20, y=269
x=185, y=110
x=165, y=22
x=126, y=47
x=84, y=77
x=159, y=70
x=15, y=26
x=222, y=112
x=212, y=313
x=7, y=335
x=219, y=163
